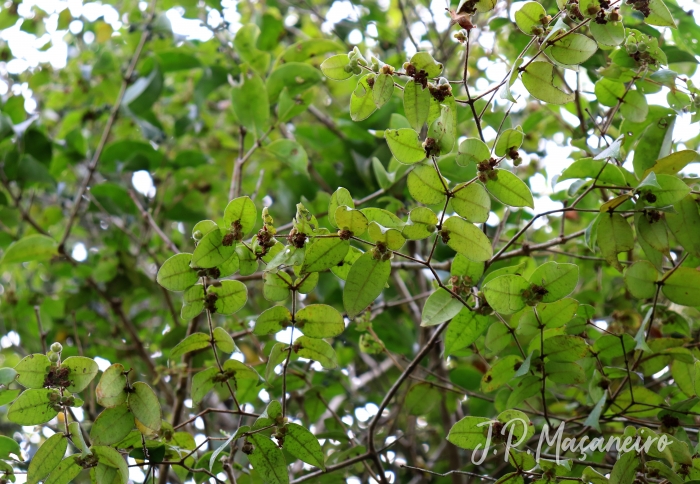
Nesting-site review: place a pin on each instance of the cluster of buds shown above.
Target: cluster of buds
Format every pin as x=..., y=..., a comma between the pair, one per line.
x=420, y=76
x=653, y=216
x=641, y=6
x=534, y=294
x=514, y=155
x=486, y=170
x=247, y=448
x=57, y=401
x=357, y=61
x=573, y=10
x=431, y=147
x=54, y=353
x=440, y=91
x=543, y=28
x=381, y=252
x=296, y=238
x=210, y=302
x=462, y=285
x=461, y=36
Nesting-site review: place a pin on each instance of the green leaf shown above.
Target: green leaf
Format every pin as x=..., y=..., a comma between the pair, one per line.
x=7, y=376
x=31, y=248
x=362, y=100
x=276, y=286
x=82, y=372
x=202, y=382
x=470, y=432
x=464, y=329
x=683, y=286
x=77, y=439
x=273, y=320
x=510, y=190
x=529, y=16
x=421, y=224
x=405, y=145
x=589, y=168
x=212, y=250
x=472, y=202
x=111, y=390
x=504, y=293
x=660, y=15
x=192, y=302
x=290, y=153
x=250, y=103
x=559, y=280
x=641, y=278
x=472, y=150
x=67, y=470
x=303, y=445
x=317, y=350
x=625, y=469
x=390, y=237
x=297, y=77
x=33, y=407
x=443, y=131
x=193, y=342
x=671, y=190
x=288, y=107
x=542, y=83
x=245, y=43
x=231, y=296
x=324, y=253
x=32, y=370
x=423, y=61
x=685, y=224
x=654, y=143
x=340, y=197
x=528, y=387
x=673, y=163
x=511, y=138
x=176, y=274
x=223, y=340
x=500, y=373
x=610, y=34
x=142, y=94
x=47, y=457
x=422, y=398
x=112, y=458
x=416, y=104
x=112, y=425
x=145, y=407
x=466, y=239
x=383, y=89
x=634, y=107
x=364, y=283
x=564, y=372
x=9, y=446
x=319, y=321
x=425, y=186
x=440, y=306
x=564, y=348
x=573, y=49
x=335, y=67
x=614, y=236
x=268, y=460
x=350, y=219
x=241, y=211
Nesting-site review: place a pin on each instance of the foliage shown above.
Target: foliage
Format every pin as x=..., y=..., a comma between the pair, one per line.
x=348, y=264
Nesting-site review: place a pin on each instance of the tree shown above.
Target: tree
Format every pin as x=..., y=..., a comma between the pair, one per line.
x=251, y=257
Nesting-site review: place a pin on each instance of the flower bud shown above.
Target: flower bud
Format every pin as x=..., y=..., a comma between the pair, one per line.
x=56, y=347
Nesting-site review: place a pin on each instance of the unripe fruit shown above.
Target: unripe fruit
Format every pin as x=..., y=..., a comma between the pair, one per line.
x=197, y=235
x=56, y=347
x=53, y=357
